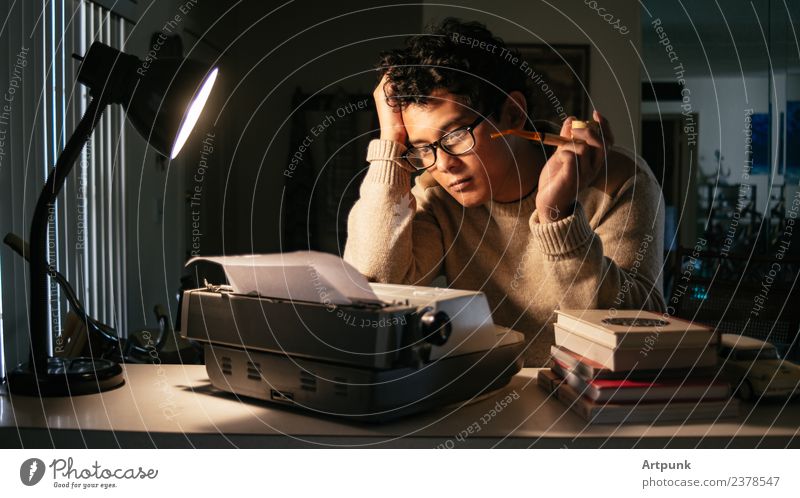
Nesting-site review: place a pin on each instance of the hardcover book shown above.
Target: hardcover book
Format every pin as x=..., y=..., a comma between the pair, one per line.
x=643, y=358
x=633, y=329
x=628, y=390
x=642, y=412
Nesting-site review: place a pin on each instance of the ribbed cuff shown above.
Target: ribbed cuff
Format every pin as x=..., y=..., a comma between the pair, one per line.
x=563, y=237
x=386, y=165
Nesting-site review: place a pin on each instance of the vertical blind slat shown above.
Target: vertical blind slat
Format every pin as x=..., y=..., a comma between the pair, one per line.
x=86, y=239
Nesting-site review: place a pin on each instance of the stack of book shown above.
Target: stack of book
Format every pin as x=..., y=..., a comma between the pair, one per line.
x=636, y=366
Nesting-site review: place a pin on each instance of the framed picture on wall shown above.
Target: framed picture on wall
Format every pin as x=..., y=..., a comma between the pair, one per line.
x=558, y=80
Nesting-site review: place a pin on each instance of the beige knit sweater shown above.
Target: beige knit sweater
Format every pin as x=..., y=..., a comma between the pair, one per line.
x=607, y=254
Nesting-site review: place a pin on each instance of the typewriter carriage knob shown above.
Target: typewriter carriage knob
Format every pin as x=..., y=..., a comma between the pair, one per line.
x=436, y=327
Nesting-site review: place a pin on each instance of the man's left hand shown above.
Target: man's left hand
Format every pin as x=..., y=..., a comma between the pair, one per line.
x=572, y=167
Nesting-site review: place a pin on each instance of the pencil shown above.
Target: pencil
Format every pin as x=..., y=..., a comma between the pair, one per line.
x=545, y=138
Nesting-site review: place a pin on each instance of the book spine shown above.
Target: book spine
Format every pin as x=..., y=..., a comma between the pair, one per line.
x=582, y=369
x=588, y=331
x=546, y=380
x=576, y=382
x=584, y=347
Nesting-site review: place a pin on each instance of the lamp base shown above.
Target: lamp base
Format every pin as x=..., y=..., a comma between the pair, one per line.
x=66, y=377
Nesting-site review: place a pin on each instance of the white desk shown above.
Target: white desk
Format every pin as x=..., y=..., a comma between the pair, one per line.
x=175, y=406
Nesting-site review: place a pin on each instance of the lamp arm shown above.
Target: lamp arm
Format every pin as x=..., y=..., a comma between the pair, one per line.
x=38, y=264
x=21, y=247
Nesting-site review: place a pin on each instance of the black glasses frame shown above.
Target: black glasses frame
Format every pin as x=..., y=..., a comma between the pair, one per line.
x=438, y=145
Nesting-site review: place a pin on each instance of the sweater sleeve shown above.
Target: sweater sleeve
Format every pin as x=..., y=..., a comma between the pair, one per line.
x=616, y=265
x=392, y=235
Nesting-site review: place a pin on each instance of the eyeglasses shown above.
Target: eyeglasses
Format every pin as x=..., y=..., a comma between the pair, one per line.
x=456, y=143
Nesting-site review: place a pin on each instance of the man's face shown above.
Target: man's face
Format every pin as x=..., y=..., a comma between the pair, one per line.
x=483, y=173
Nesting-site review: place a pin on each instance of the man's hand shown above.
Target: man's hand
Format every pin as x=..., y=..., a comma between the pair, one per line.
x=390, y=119
x=572, y=167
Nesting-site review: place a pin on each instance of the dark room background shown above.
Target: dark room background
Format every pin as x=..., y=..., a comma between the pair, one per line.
x=251, y=181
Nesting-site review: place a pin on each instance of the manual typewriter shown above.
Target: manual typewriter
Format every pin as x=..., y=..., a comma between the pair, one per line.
x=391, y=351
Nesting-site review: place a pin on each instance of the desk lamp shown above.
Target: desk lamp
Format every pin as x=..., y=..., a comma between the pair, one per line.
x=163, y=99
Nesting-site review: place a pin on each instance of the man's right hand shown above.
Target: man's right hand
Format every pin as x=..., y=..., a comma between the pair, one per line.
x=390, y=119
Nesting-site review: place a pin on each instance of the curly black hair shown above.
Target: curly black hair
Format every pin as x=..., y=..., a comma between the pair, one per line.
x=463, y=58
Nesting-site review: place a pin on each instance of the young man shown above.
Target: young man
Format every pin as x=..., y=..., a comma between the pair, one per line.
x=581, y=227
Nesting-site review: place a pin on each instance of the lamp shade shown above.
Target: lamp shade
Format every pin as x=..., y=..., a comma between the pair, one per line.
x=163, y=97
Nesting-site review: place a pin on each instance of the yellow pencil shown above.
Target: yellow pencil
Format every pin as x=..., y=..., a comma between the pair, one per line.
x=545, y=138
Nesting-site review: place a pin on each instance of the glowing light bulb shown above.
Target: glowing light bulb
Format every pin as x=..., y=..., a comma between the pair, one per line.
x=195, y=108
